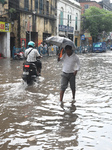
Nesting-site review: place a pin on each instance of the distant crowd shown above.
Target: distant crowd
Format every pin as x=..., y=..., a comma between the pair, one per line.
x=46, y=49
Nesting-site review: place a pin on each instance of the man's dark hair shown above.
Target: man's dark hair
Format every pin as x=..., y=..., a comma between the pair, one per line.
x=68, y=47
x=30, y=46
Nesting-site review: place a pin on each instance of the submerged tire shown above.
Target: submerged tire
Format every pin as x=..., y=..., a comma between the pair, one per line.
x=29, y=81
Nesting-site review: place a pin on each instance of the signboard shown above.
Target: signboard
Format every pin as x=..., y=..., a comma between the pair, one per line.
x=87, y=35
x=66, y=28
x=23, y=42
x=83, y=37
x=5, y=27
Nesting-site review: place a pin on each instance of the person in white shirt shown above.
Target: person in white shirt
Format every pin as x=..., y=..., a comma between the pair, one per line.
x=31, y=55
x=71, y=65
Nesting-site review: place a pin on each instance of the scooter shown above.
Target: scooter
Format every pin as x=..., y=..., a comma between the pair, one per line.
x=29, y=73
x=19, y=56
x=84, y=50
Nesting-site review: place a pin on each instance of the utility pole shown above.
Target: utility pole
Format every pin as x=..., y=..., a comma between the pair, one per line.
x=34, y=21
x=29, y=28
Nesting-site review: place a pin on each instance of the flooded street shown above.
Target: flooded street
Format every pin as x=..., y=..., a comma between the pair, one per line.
x=34, y=111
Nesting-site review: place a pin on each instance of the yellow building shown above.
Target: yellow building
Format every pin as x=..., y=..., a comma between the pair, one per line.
x=4, y=29
x=32, y=20
x=29, y=20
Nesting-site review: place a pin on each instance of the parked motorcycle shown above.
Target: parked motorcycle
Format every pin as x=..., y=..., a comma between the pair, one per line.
x=19, y=56
x=110, y=47
x=84, y=49
x=29, y=72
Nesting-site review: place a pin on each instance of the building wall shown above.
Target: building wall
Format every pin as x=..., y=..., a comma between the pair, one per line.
x=35, y=22
x=21, y=4
x=73, y=9
x=106, y=1
x=69, y=9
x=7, y=47
x=5, y=44
x=86, y=5
x=4, y=35
x=14, y=32
x=4, y=8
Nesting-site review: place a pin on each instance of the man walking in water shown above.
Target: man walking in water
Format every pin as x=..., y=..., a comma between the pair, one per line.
x=71, y=65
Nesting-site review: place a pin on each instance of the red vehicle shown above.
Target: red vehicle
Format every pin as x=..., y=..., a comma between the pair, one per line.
x=19, y=56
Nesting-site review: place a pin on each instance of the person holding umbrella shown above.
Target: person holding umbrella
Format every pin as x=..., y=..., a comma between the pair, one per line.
x=71, y=65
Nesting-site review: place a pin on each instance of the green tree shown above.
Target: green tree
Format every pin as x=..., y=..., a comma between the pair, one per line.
x=96, y=21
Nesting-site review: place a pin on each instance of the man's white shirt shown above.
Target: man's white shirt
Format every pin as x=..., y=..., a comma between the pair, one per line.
x=31, y=57
x=70, y=63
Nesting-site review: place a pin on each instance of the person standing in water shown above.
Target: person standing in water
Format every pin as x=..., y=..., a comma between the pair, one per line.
x=71, y=66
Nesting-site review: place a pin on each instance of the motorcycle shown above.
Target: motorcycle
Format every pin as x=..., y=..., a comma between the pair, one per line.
x=19, y=56
x=84, y=49
x=29, y=73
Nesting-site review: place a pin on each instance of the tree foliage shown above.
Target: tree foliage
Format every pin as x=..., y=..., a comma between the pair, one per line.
x=12, y=10
x=97, y=20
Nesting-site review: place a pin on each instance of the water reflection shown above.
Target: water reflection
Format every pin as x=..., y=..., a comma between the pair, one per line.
x=34, y=111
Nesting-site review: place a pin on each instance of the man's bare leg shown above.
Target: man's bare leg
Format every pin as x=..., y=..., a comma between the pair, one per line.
x=61, y=95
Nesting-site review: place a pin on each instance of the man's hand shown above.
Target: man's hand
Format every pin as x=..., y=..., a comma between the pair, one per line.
x=58, y=59
x=75, y=72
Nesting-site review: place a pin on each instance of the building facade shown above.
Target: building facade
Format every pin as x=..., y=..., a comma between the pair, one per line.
x=28, y=20
x=38, y=19
x=35, y=20
x=105, y=4
x=85, y=4
x=68, y=20
x=5, y=28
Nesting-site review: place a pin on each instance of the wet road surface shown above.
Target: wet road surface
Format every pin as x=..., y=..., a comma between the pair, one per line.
x=34, y=111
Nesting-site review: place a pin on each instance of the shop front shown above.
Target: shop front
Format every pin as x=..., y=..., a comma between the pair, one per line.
x=88, y=38
x=5, y=39
x=66, y=31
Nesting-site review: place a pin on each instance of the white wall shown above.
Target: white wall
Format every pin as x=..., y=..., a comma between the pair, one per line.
x=8, y=45
x=0, y=43
x=70, y=7
x=5, y=44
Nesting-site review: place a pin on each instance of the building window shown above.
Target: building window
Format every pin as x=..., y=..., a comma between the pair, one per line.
x=61, y=17
x=76, y=21
x=68, y=20
x=36, y=4
x=86, y=6
x=47, y=7
x=26, y=5
x=40, y=6
x=51, y=7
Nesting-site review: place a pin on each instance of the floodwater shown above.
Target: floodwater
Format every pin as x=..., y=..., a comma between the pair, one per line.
x=34, y=112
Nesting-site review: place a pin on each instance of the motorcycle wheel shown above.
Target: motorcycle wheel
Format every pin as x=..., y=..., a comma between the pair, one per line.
x=28, y=81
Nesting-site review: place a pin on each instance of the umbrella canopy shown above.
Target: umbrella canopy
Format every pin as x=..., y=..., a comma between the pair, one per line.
x=60, y=41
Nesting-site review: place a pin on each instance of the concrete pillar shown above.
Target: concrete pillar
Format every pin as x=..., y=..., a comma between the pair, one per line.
x=8, y=44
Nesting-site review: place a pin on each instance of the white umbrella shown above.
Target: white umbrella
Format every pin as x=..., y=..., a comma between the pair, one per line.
x=60, y=41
